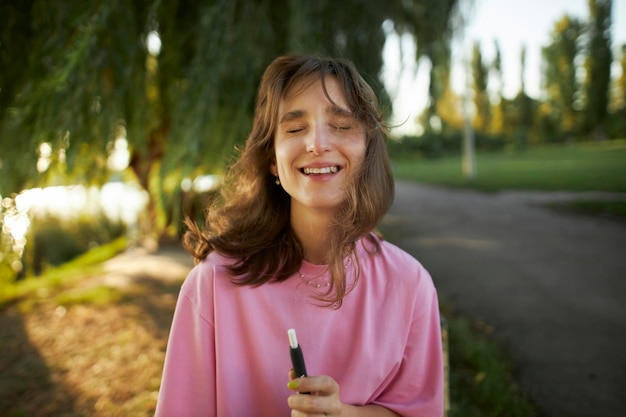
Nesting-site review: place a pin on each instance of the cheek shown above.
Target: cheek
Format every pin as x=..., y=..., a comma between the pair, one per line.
x=282, y=158
x=358, y=153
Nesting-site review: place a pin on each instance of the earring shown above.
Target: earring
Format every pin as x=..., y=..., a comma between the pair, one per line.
x=277, y=181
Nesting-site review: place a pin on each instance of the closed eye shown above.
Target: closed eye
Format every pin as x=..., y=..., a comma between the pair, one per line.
x=343, y=122
x=342, y=127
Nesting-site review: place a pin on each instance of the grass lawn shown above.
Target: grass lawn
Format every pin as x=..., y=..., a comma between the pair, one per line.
x=598, y=166
x=482, y=379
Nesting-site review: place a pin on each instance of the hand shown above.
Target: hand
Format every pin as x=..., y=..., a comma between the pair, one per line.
x=323, y=400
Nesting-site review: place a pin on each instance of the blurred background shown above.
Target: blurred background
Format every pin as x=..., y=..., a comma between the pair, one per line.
x=146, y=101
x=118, y=118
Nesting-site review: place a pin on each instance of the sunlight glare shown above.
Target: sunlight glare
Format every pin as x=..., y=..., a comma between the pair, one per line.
x=206, y=183
x=186, y=184
x=119, y=157
x=45, y=154
x=18, y=226
x=153, y=43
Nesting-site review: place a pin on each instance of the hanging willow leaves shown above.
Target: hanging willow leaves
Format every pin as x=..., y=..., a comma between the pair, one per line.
x=77, y=75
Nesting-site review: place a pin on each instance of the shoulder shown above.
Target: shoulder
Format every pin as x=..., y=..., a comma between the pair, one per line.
x=395, y=254
x=200, y=282
x=391, y=256
x=395, y=266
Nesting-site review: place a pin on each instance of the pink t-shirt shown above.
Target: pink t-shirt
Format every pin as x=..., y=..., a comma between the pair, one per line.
x=228, y=351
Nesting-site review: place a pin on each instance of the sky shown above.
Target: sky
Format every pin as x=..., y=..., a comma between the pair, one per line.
x=513, y=23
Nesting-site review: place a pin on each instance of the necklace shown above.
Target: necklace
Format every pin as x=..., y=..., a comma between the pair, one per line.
x=312, y=282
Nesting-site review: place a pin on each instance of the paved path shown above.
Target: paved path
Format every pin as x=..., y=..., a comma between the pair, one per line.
x=553, y=285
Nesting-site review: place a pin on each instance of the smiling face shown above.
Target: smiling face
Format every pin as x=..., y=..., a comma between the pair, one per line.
x=319, y=146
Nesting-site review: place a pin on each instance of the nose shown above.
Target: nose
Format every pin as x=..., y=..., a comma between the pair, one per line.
x=319, y=141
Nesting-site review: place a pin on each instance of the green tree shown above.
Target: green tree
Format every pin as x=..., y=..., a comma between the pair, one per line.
x=618, y=104
x=497, y=110
x=438, y=20
x=522, y=109
x=560, y=80
x=480, y=73
x=621, y=82
x=78, y=75
x=598, y=66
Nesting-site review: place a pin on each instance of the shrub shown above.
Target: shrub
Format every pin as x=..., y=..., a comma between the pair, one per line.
x=53, y=240
x=433, y=145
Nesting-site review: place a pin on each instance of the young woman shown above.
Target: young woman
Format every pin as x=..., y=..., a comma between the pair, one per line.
x=291, y=244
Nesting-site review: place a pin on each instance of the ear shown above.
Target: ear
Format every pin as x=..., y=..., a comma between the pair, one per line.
x=274, y=169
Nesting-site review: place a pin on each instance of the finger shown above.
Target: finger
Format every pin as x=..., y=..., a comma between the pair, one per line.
x=320, y=385
x=305, y=404
x=313, y=405
x=296, y=413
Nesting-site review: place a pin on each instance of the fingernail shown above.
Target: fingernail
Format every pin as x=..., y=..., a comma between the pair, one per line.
x=294, y=384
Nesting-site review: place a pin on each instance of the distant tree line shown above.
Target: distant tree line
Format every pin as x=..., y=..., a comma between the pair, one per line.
x=579, y=99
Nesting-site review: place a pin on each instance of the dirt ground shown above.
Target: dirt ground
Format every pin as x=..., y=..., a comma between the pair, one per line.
x=93, y=360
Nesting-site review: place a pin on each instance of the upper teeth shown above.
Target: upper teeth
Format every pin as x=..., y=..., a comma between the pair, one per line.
x=325, y=170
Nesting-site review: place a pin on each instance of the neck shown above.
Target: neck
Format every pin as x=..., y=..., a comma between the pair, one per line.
x=312, y=229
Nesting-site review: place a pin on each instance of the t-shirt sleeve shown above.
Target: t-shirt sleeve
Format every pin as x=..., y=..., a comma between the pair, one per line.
x=417, y=390
x=188, y=382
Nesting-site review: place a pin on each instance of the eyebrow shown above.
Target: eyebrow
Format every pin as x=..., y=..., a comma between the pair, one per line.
x=333, y=110
x=292, y=115
x=339, y=111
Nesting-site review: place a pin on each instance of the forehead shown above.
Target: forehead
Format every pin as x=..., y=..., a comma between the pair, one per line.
x=327, y=90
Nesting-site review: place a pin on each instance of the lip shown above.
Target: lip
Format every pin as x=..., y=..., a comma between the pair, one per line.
x=320, y=169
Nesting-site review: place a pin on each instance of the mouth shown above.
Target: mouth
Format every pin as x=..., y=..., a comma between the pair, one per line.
x=320, y=170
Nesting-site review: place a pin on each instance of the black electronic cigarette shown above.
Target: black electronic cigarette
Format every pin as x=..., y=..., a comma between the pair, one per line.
x=297, y=360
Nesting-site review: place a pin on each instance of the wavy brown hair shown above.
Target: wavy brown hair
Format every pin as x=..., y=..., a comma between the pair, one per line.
x=250, y=221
